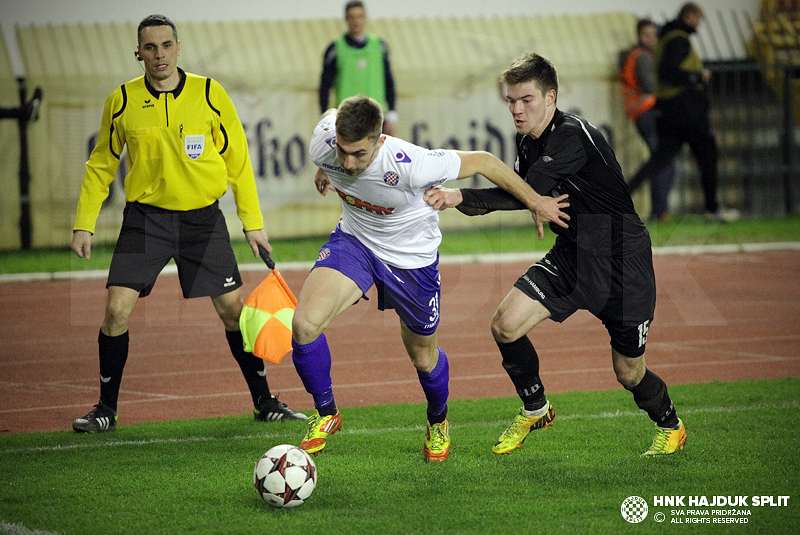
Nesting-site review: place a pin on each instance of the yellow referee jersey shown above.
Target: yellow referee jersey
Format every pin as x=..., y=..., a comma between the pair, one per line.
x=184, y=147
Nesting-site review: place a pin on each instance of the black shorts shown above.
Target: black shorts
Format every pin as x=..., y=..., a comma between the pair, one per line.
x=198, y=240
x=618, y=290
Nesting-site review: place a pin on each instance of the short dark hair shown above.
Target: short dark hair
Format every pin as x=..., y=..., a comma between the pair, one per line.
x=353, y=3
x=359, y=117
x=643, y=23
x=156, y=20
x=689, y=8
x=531, y=67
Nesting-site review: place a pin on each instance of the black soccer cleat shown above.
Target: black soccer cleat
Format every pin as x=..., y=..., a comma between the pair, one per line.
x=273, y=410
x=100, y=418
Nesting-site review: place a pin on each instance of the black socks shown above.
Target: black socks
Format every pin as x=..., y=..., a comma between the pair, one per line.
x=113, y=351
x=252, y=368
x=651, y=396
x=521, y=362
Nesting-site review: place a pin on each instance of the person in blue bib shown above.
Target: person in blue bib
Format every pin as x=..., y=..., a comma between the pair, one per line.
x=357, y=63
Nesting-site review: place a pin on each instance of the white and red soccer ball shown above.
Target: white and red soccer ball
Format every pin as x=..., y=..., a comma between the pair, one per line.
x=285, y=476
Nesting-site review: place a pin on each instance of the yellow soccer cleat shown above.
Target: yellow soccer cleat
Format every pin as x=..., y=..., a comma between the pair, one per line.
x=437, y=442
x=513, y=437
x=319, y=428
x=668, y=440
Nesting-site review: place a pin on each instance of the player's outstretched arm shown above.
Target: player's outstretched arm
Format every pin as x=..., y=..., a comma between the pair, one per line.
x=543, y=209
x=442, y=198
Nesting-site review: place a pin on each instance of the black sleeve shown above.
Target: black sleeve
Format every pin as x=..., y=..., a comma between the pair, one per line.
x=388, y=78
x=328, y=77
x=484, y=200
x=563, y=156
x=672, y=56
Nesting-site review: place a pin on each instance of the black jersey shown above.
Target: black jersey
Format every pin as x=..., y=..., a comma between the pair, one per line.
x=572, y=156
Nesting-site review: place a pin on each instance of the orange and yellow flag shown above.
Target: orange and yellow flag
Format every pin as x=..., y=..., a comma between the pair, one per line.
x=266, y=320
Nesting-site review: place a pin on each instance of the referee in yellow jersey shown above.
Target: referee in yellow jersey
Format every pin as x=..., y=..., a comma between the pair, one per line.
x=185, y=145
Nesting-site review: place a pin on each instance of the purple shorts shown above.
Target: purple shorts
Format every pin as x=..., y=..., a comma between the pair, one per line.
x=413, y=293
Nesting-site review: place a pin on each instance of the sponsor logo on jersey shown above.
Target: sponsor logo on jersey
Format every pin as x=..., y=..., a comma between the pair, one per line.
x=194, y=145
x=332, y=167
x=402, y=157
x=364, y=205
x=391, y=178
x=229, y=282
x=148, y=104
x=331, y=142
x=437, y=152
x=547, y=159
x=323, y=254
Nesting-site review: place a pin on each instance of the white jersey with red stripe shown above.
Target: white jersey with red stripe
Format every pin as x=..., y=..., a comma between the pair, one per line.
x=383, y=206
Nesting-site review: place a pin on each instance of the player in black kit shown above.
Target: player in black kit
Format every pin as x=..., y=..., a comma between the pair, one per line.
x=602, y=262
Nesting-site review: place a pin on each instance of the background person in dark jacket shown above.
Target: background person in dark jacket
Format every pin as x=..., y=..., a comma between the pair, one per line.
x=682, y=108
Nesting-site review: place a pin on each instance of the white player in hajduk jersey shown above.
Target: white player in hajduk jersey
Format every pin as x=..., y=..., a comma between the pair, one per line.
x=388, y=236
x=382, y=205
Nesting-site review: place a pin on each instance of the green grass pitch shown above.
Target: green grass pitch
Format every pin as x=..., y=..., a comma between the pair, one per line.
x=196, y=476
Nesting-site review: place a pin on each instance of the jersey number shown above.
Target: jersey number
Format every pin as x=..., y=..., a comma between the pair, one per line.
x=434, y=304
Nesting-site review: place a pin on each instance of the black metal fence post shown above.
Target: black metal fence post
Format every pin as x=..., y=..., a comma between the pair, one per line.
x=789, y=74
x=25, y=227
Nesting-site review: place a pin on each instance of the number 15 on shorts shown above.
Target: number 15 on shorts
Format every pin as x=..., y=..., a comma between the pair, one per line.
x=643, y=328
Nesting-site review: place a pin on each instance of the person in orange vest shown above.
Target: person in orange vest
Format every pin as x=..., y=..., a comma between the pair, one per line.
x=638, y=85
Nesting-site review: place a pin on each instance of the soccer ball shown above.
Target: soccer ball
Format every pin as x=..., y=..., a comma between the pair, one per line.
x=285, y=476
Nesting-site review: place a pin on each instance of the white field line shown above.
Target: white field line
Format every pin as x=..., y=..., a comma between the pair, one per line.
x=486, y=258
x=19, y=529
x=789, y=405
x=160, y=397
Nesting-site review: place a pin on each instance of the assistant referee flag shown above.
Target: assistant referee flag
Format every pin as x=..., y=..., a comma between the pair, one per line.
x=266, y=320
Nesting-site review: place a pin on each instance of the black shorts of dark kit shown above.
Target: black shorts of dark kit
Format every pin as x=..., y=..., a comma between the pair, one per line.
x=619, y=290
x=198, y=240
